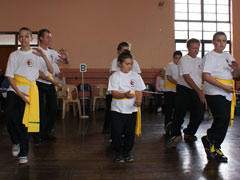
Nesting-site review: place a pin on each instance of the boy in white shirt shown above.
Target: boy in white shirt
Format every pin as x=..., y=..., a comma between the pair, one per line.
x=22, y=108
x=125, y=86
x=189, y=95
x=218, y=72
x=170, y=82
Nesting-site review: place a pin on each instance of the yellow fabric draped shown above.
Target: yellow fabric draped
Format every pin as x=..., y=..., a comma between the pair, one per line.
x=31, y=113
x=51, y=77
x=168, y=84
x=234, y=101
x=138, y=129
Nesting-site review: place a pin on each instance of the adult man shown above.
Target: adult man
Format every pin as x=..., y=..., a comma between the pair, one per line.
x=189, y=95
x=46, y=86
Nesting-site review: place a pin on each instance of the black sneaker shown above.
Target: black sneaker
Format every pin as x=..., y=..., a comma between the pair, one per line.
x=119, y=159
x=129, y=159
x=209, y=148
x=190, y=138
x=220, y=156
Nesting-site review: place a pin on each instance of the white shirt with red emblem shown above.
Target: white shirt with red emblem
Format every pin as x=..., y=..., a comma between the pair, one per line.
x=124, y=82
x=25, y=64
x=191, y=66
x=53, y=57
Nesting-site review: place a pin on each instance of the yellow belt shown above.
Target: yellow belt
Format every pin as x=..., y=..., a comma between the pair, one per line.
x=31, y=112
x=138, y=129
x=234, y=102
x=168, y=84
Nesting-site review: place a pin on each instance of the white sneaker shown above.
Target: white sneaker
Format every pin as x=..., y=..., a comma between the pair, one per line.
x=159, y=109
x=15, y=150
x=23, y=160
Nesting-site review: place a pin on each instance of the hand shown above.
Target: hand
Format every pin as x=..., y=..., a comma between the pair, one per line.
x=128, y=95
x=137, y=103
x=234, y=65
x=23, y=95
x=57, y=83
x=38, y=52
x=63, y=54
x=202, y=97
x=228, y=88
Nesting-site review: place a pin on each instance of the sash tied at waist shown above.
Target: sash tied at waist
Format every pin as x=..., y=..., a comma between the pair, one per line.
x=31, y=113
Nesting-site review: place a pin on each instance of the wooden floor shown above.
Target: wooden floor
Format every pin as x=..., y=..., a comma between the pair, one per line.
x=83, y=152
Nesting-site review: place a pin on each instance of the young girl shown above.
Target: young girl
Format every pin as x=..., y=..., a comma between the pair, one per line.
x=126, y=87
x=219, y=70
x=22, y=106
x=159, y=88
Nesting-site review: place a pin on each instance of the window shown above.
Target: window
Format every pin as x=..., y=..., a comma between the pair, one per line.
x=200, y=19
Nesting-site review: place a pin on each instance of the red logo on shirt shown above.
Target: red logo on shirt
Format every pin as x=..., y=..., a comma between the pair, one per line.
x=29, y=62
x=132, y=82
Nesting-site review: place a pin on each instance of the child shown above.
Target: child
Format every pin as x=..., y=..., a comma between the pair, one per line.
x=125, y=86
x=170, y=82
x=219, y=70
x=22, y=108
x=159, y=88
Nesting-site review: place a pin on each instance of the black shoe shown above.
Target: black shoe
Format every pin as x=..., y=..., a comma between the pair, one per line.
x=119, y=159
x=209, y=148
x=220, y=156
x=190, y=138
x=129, y=159
x=49, y=138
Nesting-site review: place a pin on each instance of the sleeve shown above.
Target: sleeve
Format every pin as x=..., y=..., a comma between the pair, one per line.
x=10, y=71
x=208, y=64
x=55, y=55
x=113, y=82
x=114, y=66
x=56, y=68
x=42, y=65
x=168, y=70
x=183, y=67
x=140, y=84
x=136, y=67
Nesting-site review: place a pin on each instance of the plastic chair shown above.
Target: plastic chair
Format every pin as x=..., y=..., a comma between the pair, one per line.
x=87, y=94
x=99, y=93
x=70, y=96
x=149, y=87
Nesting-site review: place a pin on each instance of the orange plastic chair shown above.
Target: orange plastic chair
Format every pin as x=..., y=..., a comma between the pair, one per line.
x=99, y=93
x=70, y=97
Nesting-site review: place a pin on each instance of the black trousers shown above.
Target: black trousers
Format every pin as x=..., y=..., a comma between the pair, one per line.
x=14, y=113
x=187, y=99
x=107, y=120
x=221, y=111
x=123, y=124
x=158, y=100
x=169, y=104
x=48, y=107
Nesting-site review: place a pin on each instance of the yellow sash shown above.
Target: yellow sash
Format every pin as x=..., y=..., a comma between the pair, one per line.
x=138, y=129
x=50, y=76
x=234, y=102
x=168, y=84
x=31, y=112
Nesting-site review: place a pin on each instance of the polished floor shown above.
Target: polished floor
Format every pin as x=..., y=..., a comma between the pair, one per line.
x=83, y=152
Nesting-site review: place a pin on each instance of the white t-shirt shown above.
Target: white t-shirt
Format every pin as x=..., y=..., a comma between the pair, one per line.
x=191, y=66
x=25, y=64
x=124, y=82
x=217, y=65
x=114, y=66
x=53, y=57
x=171, y=70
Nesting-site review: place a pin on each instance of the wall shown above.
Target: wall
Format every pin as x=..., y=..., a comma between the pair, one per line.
x=91, y=29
